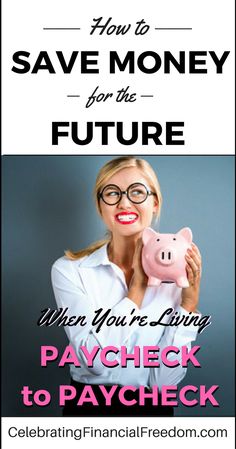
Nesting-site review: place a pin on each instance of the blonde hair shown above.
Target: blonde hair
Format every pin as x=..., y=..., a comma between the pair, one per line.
x=106, y=172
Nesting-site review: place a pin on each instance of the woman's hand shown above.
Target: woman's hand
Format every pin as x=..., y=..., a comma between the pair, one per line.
x=138, y=283
x=190, y=295
x=139, y=277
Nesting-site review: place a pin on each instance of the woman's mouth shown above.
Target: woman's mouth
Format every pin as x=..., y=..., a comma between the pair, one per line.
x=126, y=217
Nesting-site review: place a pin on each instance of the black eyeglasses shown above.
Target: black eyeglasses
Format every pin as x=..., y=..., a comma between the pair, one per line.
x=137, y=193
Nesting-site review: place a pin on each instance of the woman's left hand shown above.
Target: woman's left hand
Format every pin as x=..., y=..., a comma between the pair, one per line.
x=190, y=295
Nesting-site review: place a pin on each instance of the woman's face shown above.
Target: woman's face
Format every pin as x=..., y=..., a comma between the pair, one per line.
x=126, y=218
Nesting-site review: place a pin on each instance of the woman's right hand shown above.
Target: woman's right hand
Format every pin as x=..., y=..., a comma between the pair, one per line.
x=139, y=276
x=138, y=283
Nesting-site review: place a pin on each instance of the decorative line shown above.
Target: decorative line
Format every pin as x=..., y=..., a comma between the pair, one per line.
x=175, y=29
x=61, y=29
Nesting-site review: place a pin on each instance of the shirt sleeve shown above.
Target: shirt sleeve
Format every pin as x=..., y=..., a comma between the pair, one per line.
x=69, y=293
x=173, y=336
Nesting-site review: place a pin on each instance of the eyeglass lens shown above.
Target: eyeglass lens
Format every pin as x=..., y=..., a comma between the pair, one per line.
x=137, y=193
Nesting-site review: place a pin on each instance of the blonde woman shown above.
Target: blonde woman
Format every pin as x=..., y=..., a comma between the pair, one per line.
x=108, y=275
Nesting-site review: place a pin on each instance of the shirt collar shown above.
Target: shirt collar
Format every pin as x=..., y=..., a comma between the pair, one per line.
x=98, y=257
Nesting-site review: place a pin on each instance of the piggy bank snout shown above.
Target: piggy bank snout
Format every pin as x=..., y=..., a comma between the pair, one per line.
x=166, y=256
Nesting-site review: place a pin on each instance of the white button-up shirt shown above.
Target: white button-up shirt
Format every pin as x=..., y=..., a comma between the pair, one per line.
x=93, y=282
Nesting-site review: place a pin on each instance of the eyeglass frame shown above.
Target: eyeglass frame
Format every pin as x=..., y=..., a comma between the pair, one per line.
x=125, y=192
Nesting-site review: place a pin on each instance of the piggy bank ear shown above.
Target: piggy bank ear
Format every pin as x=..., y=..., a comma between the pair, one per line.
x=187, y=234
x=148, y=233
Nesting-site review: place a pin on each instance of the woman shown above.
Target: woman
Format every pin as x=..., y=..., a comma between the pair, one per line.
x=109, y=275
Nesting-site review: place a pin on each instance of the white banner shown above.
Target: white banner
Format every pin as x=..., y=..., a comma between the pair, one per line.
x=155, y=432
x=114, y=78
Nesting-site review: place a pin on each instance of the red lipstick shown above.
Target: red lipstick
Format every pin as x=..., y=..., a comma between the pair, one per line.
x=126, y=217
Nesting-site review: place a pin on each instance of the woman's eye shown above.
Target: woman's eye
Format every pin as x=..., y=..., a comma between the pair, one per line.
x=136, y=192
x=112, y=193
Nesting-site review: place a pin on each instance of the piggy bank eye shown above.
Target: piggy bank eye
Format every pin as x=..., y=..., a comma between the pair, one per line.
x=174, y=238
x=158, y=240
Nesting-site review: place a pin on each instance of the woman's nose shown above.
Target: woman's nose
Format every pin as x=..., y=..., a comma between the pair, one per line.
x=124, y=201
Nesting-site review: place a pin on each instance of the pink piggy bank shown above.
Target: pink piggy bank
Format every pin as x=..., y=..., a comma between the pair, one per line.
x=163, y=256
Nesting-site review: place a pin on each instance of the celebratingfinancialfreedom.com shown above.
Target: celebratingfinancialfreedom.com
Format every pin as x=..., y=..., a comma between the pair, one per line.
x=121, y=432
